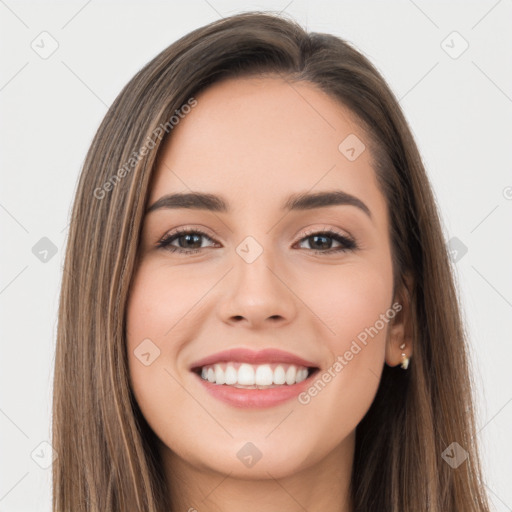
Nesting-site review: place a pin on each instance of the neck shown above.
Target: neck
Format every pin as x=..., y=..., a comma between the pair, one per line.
x=322, y=486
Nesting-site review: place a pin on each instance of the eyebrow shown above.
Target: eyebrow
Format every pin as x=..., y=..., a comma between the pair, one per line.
x=296, y=202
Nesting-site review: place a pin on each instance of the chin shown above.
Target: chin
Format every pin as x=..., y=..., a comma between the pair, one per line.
x=251, y=457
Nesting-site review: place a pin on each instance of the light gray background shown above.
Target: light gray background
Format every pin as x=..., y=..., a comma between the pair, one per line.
x=459, y=108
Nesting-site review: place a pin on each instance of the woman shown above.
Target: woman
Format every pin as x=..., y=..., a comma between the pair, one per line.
x=265, y=317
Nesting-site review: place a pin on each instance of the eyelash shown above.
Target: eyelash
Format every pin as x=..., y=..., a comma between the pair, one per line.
x=164, y=243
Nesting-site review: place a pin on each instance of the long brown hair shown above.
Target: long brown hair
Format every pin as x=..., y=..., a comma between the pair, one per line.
x=107, y=457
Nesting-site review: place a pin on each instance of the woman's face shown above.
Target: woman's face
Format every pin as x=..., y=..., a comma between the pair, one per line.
x=261, y=276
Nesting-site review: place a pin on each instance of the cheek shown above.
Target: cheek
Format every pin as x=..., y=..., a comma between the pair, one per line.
x=349, y=300
x=158, y=299
x=352, y=305
x=150, y=314
x=162, y=302
x=153, y=314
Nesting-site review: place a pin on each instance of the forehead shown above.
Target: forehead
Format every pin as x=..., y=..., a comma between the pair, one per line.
x=256, y=140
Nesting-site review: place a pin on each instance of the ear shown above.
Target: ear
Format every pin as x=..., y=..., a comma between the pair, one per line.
x=399, y=337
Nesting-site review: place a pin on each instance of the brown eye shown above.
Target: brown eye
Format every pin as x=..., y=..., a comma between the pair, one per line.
x=189, y=241
x=322, y=242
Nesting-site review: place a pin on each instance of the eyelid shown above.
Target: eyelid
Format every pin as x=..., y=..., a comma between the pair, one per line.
x=187, y=229
x=298, y=236
x=345, y=239
x=303, y=233
x=346, y=242
x=323, y=229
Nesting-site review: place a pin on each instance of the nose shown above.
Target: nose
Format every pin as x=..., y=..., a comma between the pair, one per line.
x=257, y=294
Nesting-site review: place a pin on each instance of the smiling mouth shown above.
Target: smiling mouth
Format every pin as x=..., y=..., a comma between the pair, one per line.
x=254, y=376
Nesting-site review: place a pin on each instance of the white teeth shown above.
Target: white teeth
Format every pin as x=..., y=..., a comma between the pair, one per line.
x=219, y=375
x=254, y=376
x=290, y=375
x=264, y=375
x=231, y=376
x=279, y=375
x=246, y=375
x=302, y=374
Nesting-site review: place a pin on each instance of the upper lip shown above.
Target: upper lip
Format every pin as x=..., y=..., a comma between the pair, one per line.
x=243, y=355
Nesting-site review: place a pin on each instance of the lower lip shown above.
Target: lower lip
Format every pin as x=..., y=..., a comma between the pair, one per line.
x=254, y=398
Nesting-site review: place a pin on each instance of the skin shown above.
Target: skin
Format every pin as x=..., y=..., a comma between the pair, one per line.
x=255, y=141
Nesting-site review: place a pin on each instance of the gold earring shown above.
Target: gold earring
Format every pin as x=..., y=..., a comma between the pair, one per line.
x=405, y=359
